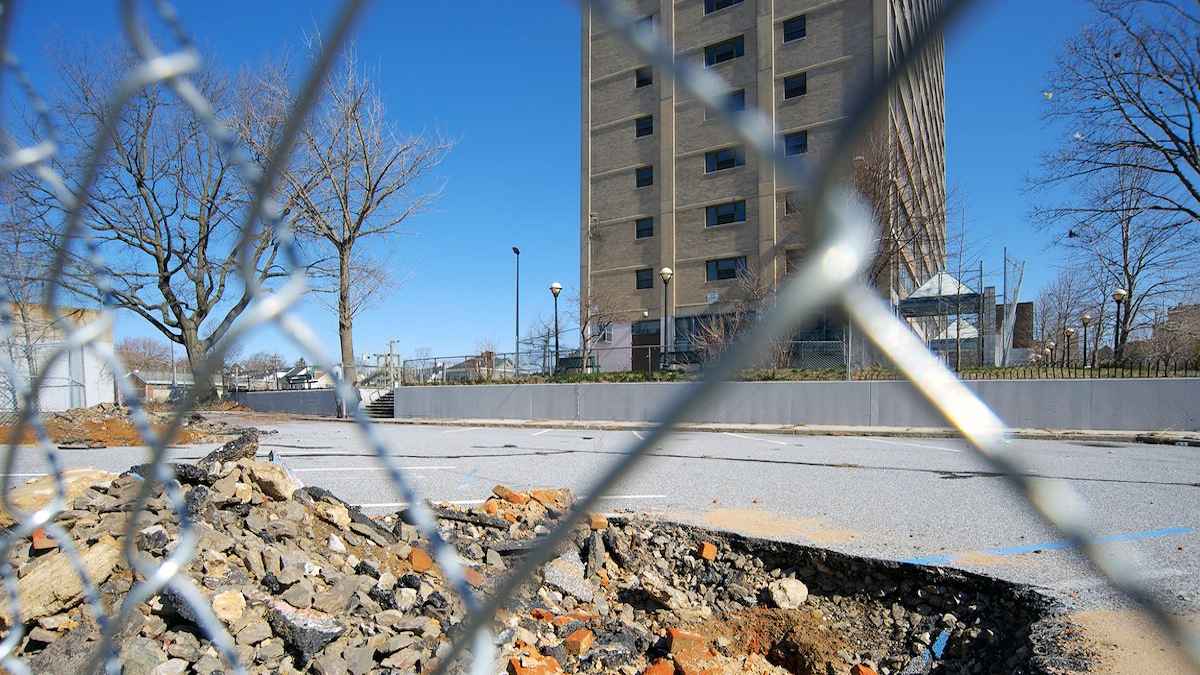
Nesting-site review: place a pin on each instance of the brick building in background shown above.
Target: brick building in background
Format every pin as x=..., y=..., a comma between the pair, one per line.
x=666, y=184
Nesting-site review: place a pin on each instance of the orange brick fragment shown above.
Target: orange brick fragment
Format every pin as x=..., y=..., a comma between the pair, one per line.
x=707, y=550
x=597, y=521
x=473, y=576
x=860, y=669
x=660, y=667
x=491, y=506
x=533, y=665
x=509, y=495
x=686, y=645
x=579, y=642
x=420, y=560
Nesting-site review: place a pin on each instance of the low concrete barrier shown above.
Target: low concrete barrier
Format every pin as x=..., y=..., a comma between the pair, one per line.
x=1134, y=404
x=299, y=402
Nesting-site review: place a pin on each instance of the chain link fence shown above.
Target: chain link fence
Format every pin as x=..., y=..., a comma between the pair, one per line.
x=830, y=276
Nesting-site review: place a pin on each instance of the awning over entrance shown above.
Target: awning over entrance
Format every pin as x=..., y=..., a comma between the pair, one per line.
x=941, y=295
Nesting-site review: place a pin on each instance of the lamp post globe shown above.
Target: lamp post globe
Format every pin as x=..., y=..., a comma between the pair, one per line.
x=1070, y=333
x=666, y=274
x=555, y=289
x=1119, y=295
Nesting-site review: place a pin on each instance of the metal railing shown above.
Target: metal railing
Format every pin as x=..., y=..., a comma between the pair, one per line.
x=830, y=276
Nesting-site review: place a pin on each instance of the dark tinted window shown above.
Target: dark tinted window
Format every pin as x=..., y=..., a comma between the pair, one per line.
x=711, y=6
x=791, y=203
x=730, y=212
x=644, y=126
x=734, y=100
x=796, y=85
x=643, y=77
x=725, y=268
x=725, y=158
x=795, y=28
x=795, y=143
x=724, y=51
x=645, y=176
x=643, y=227
x=645, y=278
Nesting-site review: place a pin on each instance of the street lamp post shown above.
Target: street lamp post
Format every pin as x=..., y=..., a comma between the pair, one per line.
x=1085, y=320
x=1070, y=333
x=666, y=273
x=555, y=289
x=1118, y=296
x=1050, y=351
x=517, y=316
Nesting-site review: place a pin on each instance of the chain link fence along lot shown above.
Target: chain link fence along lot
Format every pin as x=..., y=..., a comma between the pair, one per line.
x=830, y=276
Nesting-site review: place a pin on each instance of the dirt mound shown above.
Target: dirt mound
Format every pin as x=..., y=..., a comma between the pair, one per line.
x=108, y=425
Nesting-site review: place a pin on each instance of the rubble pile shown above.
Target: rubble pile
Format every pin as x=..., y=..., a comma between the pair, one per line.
x=108, y=424
x=304, y=582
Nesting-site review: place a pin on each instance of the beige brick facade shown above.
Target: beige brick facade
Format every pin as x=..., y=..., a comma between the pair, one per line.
x=848, y=43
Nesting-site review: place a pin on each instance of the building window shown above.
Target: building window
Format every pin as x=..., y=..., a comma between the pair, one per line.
x=724, y=51
x=643, y=126
x=735, y=101
x=722, y=214
x=602, y=332
x=643, y=228
x=725, y=158
x=791, y=203
x=646, y=23
x=795, y=143
x=644, y=278
x=724, y=268
x=643, y=77
x=796, y=85
x=795, y=28
x=645, y=176
x=711, y=6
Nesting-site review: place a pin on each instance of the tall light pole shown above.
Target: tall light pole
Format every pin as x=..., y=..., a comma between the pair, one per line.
x=555, y=289
x=1118, y=296
x=665, y=273
x=1050, y=351
x=1070, y=333
x=1085, y=320
x=517, y=316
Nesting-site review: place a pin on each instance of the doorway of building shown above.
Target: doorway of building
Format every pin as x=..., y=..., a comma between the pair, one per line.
x=646, y=346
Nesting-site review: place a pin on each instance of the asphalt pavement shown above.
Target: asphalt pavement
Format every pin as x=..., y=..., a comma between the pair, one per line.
x=921, y=500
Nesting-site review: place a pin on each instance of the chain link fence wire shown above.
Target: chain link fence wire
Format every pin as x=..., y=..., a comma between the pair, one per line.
x=831, y=276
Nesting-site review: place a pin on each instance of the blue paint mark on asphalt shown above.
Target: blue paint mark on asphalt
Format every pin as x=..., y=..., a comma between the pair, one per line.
x=939, y=645
x=1061, y=545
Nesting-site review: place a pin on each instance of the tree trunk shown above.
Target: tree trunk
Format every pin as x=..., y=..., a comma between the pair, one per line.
x=205, y=389
x=345, y=320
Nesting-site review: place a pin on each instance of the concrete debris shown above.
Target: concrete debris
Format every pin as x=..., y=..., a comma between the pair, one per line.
x=305, y=582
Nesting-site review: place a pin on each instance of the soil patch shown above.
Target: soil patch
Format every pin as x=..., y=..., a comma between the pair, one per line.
x=1126, y=642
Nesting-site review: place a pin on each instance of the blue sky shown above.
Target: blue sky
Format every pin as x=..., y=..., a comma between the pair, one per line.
x=501, y=78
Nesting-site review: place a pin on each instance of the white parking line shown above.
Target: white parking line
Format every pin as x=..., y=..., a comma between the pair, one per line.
x=471, y=502
x=639, y=435
x=332, y=469
x=459, y=431
x=24, y=475
x=751, y=438
x=909, y=444
x=543, y=431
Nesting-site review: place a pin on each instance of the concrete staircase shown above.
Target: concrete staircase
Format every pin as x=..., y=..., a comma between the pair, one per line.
x=383, y=407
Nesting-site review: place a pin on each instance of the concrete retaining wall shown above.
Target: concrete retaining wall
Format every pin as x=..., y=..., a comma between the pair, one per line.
x=1134, y=404
x=301, y=402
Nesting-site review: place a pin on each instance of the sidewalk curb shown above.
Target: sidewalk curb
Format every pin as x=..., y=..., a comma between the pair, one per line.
x=1185, y=439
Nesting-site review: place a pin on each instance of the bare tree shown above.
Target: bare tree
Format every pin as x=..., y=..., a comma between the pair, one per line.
x=354, y=177
x=165, y=211
x=144, y=353
x=595, y=321
x=749, y=299
x=21, y=284
x=1059, y=307
x=911, y=225
x=1127, y=92
x=1148, y=252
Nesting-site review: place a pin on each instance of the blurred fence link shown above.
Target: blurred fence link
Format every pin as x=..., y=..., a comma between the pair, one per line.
x=831, y=276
